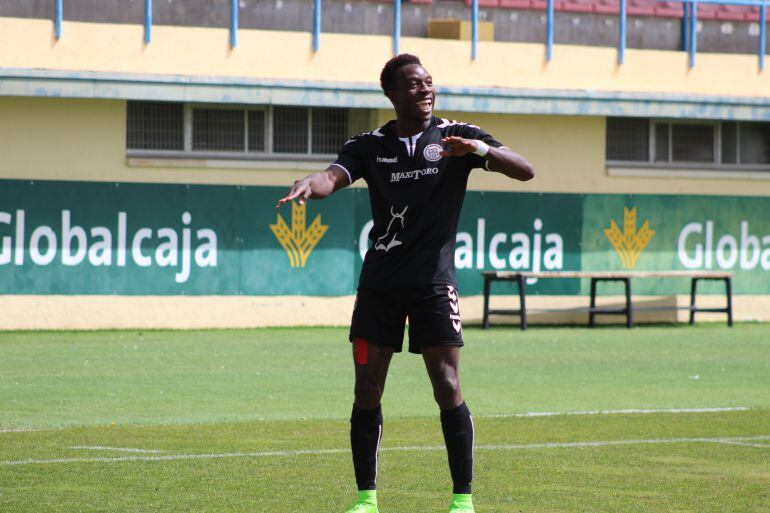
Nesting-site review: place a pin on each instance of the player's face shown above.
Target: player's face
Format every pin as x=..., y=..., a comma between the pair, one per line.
x=414, y=95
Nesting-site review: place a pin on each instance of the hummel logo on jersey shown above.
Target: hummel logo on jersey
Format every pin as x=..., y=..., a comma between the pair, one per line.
x=454, y=305
x=386, y=160
x=414, y=175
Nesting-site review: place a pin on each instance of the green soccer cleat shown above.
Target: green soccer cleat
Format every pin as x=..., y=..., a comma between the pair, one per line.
x=366, y=503
x=461, y=503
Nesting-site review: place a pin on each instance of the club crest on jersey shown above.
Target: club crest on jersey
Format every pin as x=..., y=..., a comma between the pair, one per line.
x=432, y=152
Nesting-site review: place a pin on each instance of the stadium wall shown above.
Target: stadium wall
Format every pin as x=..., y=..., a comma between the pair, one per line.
x=63, y=118
x=85, y=140
x=348, y=58
x=574, y=23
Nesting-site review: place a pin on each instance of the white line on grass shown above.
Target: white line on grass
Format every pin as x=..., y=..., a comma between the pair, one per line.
x=27, y=429
x=492, y=416
x=302, y=452
x=120, y=449
x=747, y=444
x=615, y=412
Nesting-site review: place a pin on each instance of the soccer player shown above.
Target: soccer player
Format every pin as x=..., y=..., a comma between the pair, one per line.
x=417, y=169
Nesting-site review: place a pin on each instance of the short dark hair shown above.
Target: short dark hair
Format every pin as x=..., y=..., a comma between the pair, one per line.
x=388, y=75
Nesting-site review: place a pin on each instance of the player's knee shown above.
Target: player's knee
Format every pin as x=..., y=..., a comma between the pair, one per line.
x=368, y=392
x=446, y=391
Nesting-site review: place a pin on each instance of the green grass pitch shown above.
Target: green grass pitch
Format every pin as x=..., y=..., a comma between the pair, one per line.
x=256, y=421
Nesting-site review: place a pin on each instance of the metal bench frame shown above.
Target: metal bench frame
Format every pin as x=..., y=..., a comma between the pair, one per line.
x=593, y=310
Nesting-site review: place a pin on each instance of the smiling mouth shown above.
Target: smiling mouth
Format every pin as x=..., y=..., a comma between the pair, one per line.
x=425, y=104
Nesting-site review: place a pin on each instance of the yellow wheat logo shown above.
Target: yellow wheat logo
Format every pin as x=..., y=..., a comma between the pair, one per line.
x=629, y=243
x=299, y=240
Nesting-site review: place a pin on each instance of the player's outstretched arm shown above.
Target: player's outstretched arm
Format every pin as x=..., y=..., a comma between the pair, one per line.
x=501, y=160
x=317, y=185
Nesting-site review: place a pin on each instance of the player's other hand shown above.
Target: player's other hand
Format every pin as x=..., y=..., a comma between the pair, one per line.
x=299, y=191
x=457, y=146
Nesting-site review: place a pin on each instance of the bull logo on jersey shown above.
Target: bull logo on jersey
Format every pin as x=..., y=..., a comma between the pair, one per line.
x=629, y=243
x=432, y=152
x=300, y=240
x=389, y=240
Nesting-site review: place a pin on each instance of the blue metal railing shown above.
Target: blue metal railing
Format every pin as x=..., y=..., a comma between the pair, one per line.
x=692, y=46
x=685, y=27
x=689, y=26
x=762, y=36
x=549, y=30
x=233, y=23
x=396, y=27
x=316, y=25
x=474, y=29
x=58, y=15
x=147, y=21
x=622, y=29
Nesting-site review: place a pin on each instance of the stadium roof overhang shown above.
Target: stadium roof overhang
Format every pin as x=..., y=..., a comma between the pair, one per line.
x=66, y=84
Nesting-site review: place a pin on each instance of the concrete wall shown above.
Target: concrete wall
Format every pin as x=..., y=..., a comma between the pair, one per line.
x=373, y=17
x=84, y=140
x=285, y=56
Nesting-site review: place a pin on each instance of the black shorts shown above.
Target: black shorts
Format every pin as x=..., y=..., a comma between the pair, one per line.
x=380, y=315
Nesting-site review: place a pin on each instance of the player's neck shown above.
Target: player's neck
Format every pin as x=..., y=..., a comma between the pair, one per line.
x=407, y=127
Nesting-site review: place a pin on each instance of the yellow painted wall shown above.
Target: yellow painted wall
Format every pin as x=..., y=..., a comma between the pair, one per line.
x=568, y=153
x=66, y=139
x=30, y=43
x=50, y=138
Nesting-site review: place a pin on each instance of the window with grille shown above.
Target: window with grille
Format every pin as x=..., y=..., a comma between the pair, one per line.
x=256, y=130
x=726, y=144
x=685, y=142
x=329, y=130
x=290, y=129
x=155, y=126
x=219, y=130
x=754, y=145
x=729, y=143
x=628, y=139
x=240, y=132
x=692, y=143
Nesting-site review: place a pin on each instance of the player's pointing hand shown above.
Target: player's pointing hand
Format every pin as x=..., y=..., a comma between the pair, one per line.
x=457, y=146
x=300, y=190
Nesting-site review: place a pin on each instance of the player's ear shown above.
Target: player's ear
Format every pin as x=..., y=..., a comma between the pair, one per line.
x=390, y=94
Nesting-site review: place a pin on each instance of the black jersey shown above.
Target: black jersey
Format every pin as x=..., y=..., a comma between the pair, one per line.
x=416, y=197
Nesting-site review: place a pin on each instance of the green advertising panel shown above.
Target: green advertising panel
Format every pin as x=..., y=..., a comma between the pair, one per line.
x=100, y=238
x=151, y=239
x=661, y=233
x=302, y=250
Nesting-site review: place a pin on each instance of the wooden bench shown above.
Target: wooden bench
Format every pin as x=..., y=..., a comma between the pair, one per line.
x=520, y=278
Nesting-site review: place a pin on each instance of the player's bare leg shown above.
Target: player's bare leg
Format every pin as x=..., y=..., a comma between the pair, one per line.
x=443, y=364
x=371, y=365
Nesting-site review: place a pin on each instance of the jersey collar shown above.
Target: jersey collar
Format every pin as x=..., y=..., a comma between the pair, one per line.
x=389, y=128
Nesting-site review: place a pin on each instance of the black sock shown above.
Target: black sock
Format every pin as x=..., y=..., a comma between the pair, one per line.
x=365, y=434
x=457, y=426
